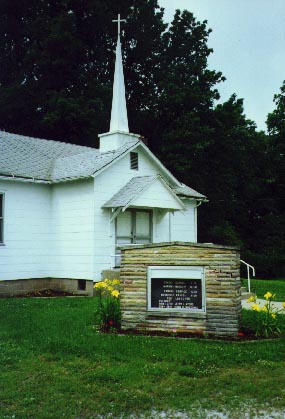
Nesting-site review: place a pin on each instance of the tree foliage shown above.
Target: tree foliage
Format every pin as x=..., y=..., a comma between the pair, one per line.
x=276, y=154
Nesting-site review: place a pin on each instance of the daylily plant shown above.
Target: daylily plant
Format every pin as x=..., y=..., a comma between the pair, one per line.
x=108, y=312
x=267, y=316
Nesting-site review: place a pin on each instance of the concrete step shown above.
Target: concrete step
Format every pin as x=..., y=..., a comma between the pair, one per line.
x=246, y=295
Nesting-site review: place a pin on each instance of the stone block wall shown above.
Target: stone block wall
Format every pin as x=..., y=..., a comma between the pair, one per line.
x=221, y=265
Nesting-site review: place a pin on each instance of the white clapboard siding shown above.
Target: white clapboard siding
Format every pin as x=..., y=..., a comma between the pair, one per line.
x=183, y=224
x=71, y=255
x=27, y=236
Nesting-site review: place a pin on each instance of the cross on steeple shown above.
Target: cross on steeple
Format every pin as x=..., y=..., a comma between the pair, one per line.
x=119, y=132
x=119, y=20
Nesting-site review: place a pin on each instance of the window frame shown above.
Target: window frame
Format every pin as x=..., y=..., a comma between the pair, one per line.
x=133, y=236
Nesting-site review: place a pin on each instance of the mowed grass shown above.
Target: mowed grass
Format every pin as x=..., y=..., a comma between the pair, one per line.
x=55, y=365
x=261, y=286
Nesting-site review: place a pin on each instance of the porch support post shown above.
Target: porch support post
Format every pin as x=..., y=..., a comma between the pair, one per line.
x=116, y=212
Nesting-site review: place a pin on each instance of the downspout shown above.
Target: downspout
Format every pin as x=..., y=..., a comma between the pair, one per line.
x=94, y=235
x=195, y=219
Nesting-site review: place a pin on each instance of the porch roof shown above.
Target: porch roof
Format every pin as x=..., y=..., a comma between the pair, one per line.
x=145, y=192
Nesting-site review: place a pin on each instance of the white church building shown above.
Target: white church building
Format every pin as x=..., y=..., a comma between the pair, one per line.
x=65, y=209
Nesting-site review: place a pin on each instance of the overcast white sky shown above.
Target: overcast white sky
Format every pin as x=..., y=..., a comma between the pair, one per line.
x=248, y=40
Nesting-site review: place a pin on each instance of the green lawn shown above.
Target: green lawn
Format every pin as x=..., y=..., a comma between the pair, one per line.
x=55, y=365
x=261, y=286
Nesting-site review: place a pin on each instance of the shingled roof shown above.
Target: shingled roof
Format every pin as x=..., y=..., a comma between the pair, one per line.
x=55, y=161
x=129, y=191
x=133, y=189
x=52, y=161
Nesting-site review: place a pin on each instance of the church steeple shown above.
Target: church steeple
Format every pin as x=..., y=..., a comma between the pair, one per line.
x=119, y=116
x=119, y=126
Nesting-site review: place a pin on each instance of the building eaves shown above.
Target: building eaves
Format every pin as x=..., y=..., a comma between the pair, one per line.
x=187, y=192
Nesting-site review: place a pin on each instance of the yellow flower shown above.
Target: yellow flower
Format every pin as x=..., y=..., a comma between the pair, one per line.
x=116, y=282
x=115, y=293
x=283, y=305
x=273, y=315
x=251, y=299
x=255, y=307
x=268, y=295
x=264, y=308
x=100, y=284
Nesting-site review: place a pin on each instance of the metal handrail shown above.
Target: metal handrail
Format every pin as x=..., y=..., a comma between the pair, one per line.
x=248, y=266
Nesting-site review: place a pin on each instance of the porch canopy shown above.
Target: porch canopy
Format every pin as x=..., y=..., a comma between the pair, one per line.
x=145, y=192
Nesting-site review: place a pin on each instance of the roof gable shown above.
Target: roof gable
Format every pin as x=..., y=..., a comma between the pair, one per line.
x=159, y=195
x=144, y=192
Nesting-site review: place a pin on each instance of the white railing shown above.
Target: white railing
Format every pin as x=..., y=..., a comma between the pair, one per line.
x=248, y=267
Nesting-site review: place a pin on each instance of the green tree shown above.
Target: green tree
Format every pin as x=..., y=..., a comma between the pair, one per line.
x=186, y=95
x=228, y=169
x=243, y=183
x=276, y=129
x=276, y=153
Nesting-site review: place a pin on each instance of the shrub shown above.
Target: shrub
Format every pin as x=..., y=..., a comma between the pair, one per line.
x=108, y=313
x=267, y=317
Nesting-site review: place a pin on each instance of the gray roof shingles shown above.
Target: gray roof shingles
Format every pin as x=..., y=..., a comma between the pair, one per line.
x=53, y=161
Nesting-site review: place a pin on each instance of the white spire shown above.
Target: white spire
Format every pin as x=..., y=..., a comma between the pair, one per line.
x=119, y=116
x=119, y=128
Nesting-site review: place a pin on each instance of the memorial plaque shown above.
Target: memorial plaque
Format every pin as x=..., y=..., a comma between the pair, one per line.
x=176, y=293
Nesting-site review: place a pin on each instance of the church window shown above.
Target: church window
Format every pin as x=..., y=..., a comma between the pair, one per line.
x=134, y=161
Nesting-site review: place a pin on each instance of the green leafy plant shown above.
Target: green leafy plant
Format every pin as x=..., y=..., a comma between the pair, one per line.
x=108, y=312
x=267, y=317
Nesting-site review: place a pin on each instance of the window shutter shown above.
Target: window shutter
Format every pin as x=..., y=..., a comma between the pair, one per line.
x=134, y=161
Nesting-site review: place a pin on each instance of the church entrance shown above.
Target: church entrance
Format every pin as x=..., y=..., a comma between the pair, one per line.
x=133, y=226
